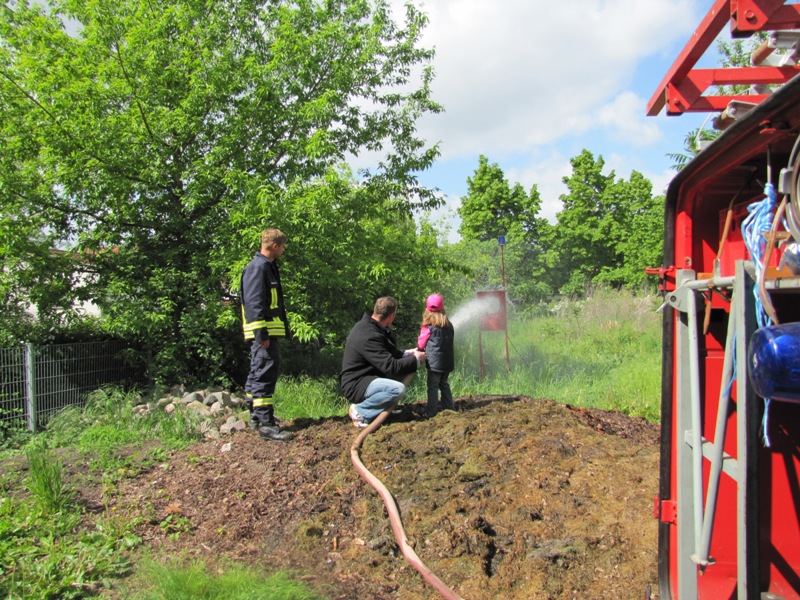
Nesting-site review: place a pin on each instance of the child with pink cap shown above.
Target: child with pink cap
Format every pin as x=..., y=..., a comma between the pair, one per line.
x=436, y=340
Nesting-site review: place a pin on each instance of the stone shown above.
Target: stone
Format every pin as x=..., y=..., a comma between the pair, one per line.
x=192, y=397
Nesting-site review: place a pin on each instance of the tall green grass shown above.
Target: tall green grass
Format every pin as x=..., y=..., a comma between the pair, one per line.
x=174, y=581
x=314, y=398
x=44, y=477
x=603, y=352
x=48, y=554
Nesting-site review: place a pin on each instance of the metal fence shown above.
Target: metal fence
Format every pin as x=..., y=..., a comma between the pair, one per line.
x=38, y=381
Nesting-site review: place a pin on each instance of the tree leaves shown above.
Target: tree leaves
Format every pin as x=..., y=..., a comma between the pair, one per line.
x=141, y=134
x=608, y=231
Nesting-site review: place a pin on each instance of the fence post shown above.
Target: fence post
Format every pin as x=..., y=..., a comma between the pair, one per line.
x=30, y=385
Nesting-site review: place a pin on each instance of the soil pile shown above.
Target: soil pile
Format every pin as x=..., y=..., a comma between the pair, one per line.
x=505, y=498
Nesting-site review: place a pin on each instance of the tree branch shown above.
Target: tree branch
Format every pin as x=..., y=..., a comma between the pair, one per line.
x=136, y=101
x=60, y=126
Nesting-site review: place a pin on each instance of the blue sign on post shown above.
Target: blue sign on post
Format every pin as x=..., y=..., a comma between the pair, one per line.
x=501, y=240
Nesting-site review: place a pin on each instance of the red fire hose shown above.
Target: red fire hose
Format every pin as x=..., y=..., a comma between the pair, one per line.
x=394, y=514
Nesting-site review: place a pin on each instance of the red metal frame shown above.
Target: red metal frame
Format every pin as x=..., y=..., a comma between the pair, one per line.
x=728, y=176
x=758, y=507
x=683, y=88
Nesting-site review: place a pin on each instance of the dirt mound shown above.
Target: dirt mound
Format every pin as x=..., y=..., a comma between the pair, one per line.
x=505, y=498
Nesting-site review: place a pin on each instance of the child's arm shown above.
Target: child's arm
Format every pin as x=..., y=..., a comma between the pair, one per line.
x=424, y=334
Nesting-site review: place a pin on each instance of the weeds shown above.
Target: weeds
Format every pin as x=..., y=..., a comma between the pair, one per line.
x=46, y=554
x=173, y=581
x=44, y=477
x=309, y=398
x=175, y=525
x=603, y=352
x=13, y=430
x=108, y=422
x=119, y=525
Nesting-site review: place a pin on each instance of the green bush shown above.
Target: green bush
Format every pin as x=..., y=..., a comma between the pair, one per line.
x=13, y=430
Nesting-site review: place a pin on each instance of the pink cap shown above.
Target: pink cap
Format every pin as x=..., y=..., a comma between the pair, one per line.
x=435, y=303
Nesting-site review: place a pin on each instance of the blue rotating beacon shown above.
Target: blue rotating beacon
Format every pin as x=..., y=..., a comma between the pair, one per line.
x=774, y=360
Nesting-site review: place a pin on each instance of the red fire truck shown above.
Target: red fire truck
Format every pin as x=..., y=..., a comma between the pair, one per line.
x=729, y=494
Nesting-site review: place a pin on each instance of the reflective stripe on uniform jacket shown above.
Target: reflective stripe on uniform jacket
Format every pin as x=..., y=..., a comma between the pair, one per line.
x=263, y=310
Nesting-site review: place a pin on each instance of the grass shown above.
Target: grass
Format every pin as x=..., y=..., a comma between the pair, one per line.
x=108, y=423
x=604, y=352
x=44, y=480
x=46, y=554
x=195, y=581
x=599, y=353
x=314, y=398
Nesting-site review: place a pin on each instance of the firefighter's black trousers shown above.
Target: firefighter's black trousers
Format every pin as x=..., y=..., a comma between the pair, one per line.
x=264, y=365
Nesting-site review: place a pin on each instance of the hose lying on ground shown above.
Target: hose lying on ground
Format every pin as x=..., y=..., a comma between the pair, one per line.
x=394, y=514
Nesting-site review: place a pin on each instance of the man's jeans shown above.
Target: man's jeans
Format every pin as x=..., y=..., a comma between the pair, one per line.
x=381, y=394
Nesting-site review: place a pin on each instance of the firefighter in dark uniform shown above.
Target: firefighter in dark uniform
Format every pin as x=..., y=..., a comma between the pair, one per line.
x=265, y=323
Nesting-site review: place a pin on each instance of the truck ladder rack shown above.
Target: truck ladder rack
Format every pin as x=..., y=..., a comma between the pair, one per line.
x=683, y=88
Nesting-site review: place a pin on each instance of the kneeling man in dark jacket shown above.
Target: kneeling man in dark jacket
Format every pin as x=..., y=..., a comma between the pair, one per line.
x=375, y=372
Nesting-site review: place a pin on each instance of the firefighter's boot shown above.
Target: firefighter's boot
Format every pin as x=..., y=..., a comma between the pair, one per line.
x=268, y=426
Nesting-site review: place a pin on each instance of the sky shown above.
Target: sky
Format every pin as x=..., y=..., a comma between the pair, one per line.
x=531, y=83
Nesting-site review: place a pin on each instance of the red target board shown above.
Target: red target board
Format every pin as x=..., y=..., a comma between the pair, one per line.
x=493, y=317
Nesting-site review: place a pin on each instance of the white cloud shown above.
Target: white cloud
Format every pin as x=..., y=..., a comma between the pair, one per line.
x=513, y=74
x=660, y=181
x=625, y=120
x=530, y=83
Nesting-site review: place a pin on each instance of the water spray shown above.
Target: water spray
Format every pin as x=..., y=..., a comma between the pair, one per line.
x=489, y=309
x=474, y=310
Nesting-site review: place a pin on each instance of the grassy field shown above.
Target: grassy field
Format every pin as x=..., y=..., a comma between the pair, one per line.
x=602, y=353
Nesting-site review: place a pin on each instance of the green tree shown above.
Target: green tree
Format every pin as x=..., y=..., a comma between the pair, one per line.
x=643, y=247
x=481, y=270
x=491, y=208
x=581, y=243
x=692, y=146
x=151, y=142
x=345, y=251
x=607, y=230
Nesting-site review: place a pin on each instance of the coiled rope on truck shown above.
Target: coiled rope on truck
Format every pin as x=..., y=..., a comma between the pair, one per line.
x=755, y=228
x=792, y=220
x=759, y=231
x=394, y=513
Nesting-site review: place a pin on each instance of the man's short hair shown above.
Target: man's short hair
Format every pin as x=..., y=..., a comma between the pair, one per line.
x=272, y=236
x=385, y=307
